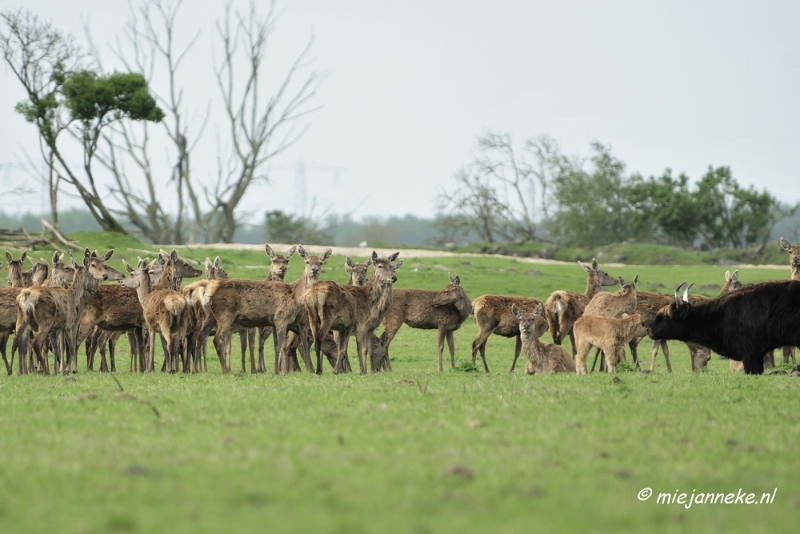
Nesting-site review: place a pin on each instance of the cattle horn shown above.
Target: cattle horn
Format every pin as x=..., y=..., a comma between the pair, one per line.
x=686, y=293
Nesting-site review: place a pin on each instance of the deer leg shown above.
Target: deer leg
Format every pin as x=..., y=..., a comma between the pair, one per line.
x=243, y=343
x=572, y=342
x=769, y=360
x=441, y=348
x=263, y=334
x=517, y=350
x=665, y=350
x=451, y=345
x=594, y=363
x=251, y=341
x=480, y=345
x=3, y=345
x=633, y=344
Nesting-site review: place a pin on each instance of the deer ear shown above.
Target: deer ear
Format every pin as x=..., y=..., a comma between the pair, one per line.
x=24, y=254
x=735, y=275
x=594, y=264
x=348, y=263
x=302, y=252
x=327, y=254
x=94, y=254
x=108, y=255
x=290, y=252
x=209, y=264
x=394, y=256
x=269, y=251
x=127, y=267
x=173, y=255
x=9, y=257
x=218, y=262
x=369, y=262
x=374, y=256
x=785, y=244
x=538, y=309
x=457, y=281
x=55, y=258
x=515, y=310
x=635, y=281
x=728, y=276
x=621, y=281
x=398, y=265
x=587, y=268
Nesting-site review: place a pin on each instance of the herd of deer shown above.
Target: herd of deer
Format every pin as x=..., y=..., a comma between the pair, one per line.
x=55, y=308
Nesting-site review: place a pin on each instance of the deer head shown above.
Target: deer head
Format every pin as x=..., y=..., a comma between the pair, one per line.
x=313, y=263
x=383, y=270
x=97, y=264
x=794, y=252
x=357, y=271
x=526, y=321
x=280, y=262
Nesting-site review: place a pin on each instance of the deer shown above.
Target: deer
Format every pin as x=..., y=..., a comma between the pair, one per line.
x=236, y=304
x=493, y=316
x=563, y=308
x=606, y=333
x=649, y=304
x=47, y=309
x=351, y=310
x=59, y=275
x=614, y=305
x=162, y=309
x=444, y=310
x=197, y=314
x=279, y=264
x=794, y=263
x=543, y=358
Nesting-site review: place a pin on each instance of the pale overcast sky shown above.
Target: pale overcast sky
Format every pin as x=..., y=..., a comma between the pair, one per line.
x=412, y=84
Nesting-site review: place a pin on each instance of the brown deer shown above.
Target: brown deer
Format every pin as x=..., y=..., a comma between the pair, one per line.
x=236, y=304
x=351, y=310
x=606, y=333
x=358, y=277
x=613, y=305
x=444, y=311
x=197, y=314
x=563, y=308
x=794, y=262
x=493, y=316
x=279, y=264
x=162, y=310
x=48, y=309
x=543, y=358
x=649, y=304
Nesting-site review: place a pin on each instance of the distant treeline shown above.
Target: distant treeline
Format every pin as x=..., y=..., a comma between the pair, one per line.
x=407, y=230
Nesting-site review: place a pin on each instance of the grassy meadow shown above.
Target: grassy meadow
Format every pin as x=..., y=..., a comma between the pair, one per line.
x=414, y=450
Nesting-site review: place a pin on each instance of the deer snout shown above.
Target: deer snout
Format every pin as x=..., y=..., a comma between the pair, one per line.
x=394, y=279
x=105, y=276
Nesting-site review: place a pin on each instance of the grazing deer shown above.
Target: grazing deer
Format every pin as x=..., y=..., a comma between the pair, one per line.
x=236, y=304
x=351, y=310
x=162, y=310
x=47, y=309
x=563, y=308
x=444, y=311
x=493, y=316
x=279, y=264
x=543, y=358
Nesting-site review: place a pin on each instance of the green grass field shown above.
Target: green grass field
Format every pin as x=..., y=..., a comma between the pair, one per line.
x=414, y=450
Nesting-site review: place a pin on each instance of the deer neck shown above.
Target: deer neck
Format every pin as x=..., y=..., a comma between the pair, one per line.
x=277, y=277
x=144, y=288
x=795, y=271
x=76, y=291
x=592, y=285
x=464, y=307
x=380, y=293
x=170, y=279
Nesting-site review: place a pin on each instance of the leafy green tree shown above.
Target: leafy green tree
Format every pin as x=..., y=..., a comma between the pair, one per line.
x=287, y=228
x=591, y=206
x=731, y=216
x=662, y=209
x=64, y=96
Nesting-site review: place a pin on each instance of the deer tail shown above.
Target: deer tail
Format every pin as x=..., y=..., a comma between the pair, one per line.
x=26, y=301
x=175, y=307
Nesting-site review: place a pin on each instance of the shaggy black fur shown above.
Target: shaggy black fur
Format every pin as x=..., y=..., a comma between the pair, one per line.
x=742, y=325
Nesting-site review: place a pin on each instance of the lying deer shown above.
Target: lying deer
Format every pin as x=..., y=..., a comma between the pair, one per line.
x=543, y=358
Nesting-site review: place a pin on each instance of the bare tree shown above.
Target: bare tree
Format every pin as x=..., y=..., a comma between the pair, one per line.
x=63, y=95
x=149, y=37
x=495, y=196
x=259, y=130
x=40, y=57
